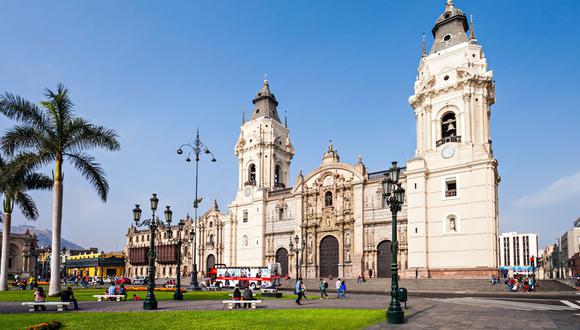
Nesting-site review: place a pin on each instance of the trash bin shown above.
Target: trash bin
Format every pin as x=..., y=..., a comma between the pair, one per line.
x=403, y=296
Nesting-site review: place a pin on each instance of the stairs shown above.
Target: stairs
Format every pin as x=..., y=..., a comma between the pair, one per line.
x=426, y=285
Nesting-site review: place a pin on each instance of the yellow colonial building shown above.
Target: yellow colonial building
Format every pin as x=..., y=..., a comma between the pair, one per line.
x=97, y=264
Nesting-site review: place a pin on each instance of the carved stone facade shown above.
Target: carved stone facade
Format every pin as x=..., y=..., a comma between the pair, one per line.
x=448, y=224
x=22, y=253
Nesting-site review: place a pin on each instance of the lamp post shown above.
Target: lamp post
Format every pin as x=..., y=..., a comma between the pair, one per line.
x=394, y=194
x=150, y=302
x=197, y=148
x=297, y=250
x=177, y=295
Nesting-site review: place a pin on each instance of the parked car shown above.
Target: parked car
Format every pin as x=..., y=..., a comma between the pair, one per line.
x=123, y=280
x=140, y=280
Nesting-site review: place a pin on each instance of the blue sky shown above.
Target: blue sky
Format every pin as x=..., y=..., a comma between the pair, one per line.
x=343, y=70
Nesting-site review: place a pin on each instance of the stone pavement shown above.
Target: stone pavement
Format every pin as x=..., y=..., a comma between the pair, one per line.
x=425, y=313
x=442, y=315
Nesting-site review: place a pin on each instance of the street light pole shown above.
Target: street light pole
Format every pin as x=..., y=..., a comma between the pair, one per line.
x=178, y=295
x=297, y=251
x=150, y=302
x=394, y=194
x=197, y=147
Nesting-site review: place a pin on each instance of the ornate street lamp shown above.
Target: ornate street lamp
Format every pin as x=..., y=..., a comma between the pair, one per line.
x=197, y=148
x=177, y=295
x=297, y=250
x=150, y=302
x=394, y=194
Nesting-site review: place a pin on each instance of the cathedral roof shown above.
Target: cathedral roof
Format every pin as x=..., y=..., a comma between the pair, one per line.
x=450, y=28
x=265, y=104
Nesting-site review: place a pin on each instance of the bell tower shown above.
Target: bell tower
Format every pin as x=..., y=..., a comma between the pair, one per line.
x=264, y=153
x=452, y=180
x=263, y=149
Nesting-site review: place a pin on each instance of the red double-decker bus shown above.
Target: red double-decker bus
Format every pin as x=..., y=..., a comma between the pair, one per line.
x=254, y=277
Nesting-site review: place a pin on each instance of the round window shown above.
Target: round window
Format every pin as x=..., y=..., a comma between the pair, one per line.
x=446, y=78
x=447, y=37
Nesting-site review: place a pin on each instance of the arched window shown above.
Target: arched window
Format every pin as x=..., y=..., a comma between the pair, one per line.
x=328, y=199
x=244, y=240
x=278, y=177
x=448, y=125
x=252, y=175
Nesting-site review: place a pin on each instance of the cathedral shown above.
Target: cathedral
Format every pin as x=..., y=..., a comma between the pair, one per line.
x=448, y=226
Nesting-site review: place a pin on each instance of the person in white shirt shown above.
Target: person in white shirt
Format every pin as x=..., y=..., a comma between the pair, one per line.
x=337, y=284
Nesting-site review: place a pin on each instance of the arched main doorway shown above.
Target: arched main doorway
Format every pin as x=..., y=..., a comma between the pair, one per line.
x=329, y=256
x=384, y=259
x=282, y=258
x=210, y=263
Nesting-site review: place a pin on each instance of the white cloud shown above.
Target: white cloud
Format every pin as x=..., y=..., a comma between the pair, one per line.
x=562, y=190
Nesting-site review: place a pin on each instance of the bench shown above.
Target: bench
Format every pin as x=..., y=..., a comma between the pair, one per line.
x=59, y=304
x=269, y=292
x=104, y=297
x=231, y=303
x=170, y=286
x=214, y=288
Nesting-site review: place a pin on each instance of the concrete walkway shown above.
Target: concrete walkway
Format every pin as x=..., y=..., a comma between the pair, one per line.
x=422, y=313
x=361, y=301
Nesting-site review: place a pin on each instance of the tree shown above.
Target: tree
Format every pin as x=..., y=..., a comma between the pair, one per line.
x=50, y=134
x=15, y=180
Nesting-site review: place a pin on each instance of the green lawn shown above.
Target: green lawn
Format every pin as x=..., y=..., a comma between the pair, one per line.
x=246, y=319
x=87, y=295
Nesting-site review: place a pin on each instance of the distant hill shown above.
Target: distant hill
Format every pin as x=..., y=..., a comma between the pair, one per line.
x=45, y=237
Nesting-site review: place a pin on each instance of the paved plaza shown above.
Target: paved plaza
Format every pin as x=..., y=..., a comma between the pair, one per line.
x=461, y=311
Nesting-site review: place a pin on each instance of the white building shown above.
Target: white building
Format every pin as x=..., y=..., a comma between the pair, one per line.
x=516, y=251
x=449, y=223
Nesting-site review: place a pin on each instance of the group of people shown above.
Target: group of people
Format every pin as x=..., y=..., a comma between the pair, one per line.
x=300, y=289
x=527, y=284
x=66, y=295
x=247, y=295
x=22, y=283
x=113, y=290
x=84, y=281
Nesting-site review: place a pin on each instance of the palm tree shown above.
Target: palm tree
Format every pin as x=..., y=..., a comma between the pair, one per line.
x=15, y=181
x=51, y=134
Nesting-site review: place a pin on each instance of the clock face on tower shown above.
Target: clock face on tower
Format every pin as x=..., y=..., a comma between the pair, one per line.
x=248, y=191
x=448, y=151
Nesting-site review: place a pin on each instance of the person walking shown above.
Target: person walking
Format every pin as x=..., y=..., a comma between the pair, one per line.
x=342, y=290
x=299, y=290
x=370, y=273
x=337, y=285
x=416, y=273
x=323, y=286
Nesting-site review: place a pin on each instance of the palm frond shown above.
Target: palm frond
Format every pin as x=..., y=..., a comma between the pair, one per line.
x=92, y=171
x=38, y=181
x=26, y=162
x=22, y=110
x=21, y=138
x=83, y=135
x=61, y=102
x=26, y=205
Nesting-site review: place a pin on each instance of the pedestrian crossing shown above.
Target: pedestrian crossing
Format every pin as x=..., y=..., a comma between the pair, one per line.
x=538, y=305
